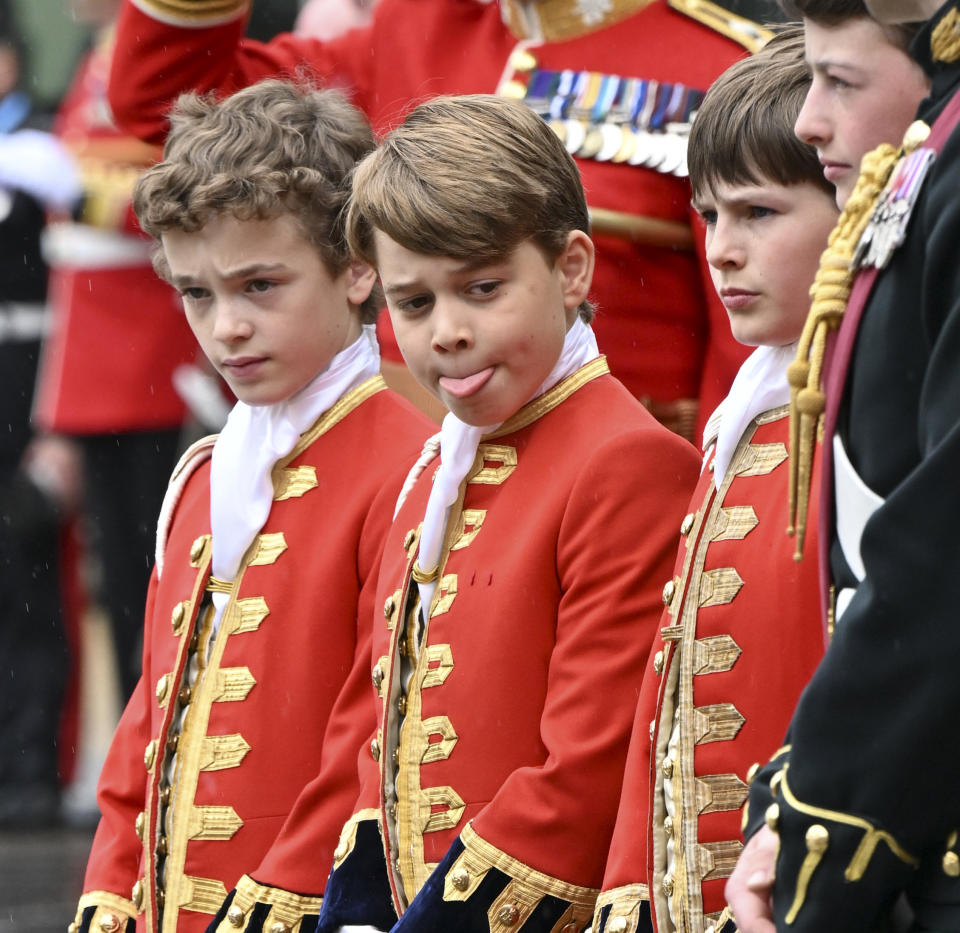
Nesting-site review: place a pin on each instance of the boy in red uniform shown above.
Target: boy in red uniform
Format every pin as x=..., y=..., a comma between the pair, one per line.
x=741, y=633
x=520, y=583
x=257, y=631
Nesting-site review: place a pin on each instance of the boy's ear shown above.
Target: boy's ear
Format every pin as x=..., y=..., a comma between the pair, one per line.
x=360, y=281
x=576, y=266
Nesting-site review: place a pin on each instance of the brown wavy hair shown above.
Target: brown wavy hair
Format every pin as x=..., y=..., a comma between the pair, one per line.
x=272, y=148
x=468, y=177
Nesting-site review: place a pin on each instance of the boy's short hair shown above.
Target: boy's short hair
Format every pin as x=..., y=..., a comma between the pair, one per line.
x=272, y=148
x=469, y=177
x=743, y=132
x=834, y=12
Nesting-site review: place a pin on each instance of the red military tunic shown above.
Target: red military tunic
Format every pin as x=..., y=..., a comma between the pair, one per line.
x=738, y=641
x=282, y=686
x=118, y=331
x=659, y=322
x=503, y=752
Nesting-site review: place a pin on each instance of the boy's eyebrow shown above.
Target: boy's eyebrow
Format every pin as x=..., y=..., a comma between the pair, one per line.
x=405, y=285
x=242, y=272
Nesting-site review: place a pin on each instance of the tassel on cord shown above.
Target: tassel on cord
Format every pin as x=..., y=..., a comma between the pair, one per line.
x=829, y=293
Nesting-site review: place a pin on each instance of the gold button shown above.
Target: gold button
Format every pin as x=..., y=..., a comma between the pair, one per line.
x=658, y=663
x=375, y=750
x=163, y=685
x=161, y=845
x=150, y=754
x=396, y=757
x=196, y=550
x=916, y=134
x=136, y=895
x=408, y=539
x=772, y=816
x=161, y=899
x=140, y=824
x=686, y=526
x=172, y=742
x=668, y=767
x=617, y=925
x=402, y=647
x=192, y=644
x=752, y=771
x=570, y=928
x=376, y=675
x=279, y=927
x=402, y=706
x=460, y=879
x=393, y=812
x=951, y=864
x=522, y=60
x=669, y=589
x=389, y=606
x=235, y=916
x=340, y=852
x=668, y=825
x=177, y=616
x=668, y=885
x=165, y=795
x=711, y=465
x=72, y=928
x=109, y=923
x=184, y=695
x=508, y=915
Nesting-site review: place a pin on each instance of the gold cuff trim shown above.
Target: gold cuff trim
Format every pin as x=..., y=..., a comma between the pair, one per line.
x=625, y=903
x=550, y=399
x=105, y=902
x=872, y=836
x=817, y=839
x=479, y=856
x=286, y=907
x=348, y=835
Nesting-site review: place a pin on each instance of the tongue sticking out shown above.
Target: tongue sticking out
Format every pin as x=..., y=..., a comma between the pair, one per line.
x=461, y=388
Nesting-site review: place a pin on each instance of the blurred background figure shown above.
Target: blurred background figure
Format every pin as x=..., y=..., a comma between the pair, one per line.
x=35, y=174
x=325, y=19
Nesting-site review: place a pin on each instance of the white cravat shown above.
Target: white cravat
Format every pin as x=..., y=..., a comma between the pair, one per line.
x=458, y=448
x=254, y=438
x=761, y=384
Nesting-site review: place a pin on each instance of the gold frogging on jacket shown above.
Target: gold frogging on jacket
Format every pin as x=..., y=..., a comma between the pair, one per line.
x=830, y=292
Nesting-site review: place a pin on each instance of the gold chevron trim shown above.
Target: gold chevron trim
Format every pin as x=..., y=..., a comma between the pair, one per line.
x=293, y=482
x=219, y=752
x=719, y=587
x=760, y=459
x=446, y=594
x=719, y=792
x=204, y=895
x=213, y=823
x=438, y=751
x=715, y=654
x=248, y=614
x=435, y=820
x=717, y=859
x=269, y=547
x=719, y=722
x=439, y=664
x=494, y=453
x=734, y=523
x=471, y=519
x=233, y=684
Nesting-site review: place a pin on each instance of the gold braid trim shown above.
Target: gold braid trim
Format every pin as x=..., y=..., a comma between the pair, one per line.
x=945, y=38
x=112, y=907
x=829, y=293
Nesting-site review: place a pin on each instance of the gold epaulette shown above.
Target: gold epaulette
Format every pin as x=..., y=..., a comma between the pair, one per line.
x=829, y=293
x=743, y=29
x=193, y=13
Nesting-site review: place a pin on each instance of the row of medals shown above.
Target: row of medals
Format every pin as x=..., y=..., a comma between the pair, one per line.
x=608, y=118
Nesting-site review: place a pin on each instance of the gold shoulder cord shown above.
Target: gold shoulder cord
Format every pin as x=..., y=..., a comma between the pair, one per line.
x=829, y=293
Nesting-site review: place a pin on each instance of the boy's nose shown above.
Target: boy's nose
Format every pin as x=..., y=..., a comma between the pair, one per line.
x=451, y=328
x=723, y=248
x=230, y=324
x=810, y=125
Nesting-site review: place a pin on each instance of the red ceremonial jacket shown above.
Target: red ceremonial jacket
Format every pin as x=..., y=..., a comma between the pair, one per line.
x=283, y=691
x=503, y=753
x=739, y=639
x=118, y=331
x=659, y=322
